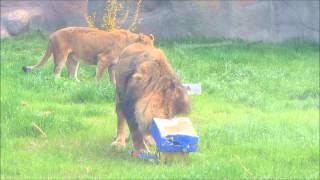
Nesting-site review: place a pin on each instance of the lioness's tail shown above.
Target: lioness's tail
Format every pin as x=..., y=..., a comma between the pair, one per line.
x=42, y=62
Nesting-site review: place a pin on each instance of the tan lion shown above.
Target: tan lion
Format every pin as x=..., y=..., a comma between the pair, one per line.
x=146, y=87
x=73, y=45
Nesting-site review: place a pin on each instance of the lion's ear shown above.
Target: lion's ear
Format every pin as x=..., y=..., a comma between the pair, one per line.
x=151, y=36
x=137, y=76
x=172, y=85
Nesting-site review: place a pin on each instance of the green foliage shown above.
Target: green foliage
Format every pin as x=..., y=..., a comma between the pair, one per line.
x=258, y=116
x=116, y=16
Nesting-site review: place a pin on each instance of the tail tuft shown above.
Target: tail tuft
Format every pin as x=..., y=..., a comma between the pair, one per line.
x=26, y=69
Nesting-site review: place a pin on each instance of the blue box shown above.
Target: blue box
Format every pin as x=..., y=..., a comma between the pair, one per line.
x=174, y=135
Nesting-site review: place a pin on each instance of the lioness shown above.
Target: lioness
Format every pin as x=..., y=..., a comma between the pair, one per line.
x=90, y=46
x=146, y=87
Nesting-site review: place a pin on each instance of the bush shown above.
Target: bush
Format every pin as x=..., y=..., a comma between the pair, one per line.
x=116, y=16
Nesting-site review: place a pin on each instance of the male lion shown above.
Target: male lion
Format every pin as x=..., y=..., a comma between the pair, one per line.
x=73, y=45
x=146, y=87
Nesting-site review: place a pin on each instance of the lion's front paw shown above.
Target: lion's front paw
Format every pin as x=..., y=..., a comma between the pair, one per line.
x=119, y=143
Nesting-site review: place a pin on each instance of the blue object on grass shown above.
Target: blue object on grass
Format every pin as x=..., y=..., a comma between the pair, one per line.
x=147, y=156
x=174, y=135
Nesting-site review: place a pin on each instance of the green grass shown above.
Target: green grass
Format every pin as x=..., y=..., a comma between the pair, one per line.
x=258, y=116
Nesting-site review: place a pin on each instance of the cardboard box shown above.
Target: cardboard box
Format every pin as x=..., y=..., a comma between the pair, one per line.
x=174, y=135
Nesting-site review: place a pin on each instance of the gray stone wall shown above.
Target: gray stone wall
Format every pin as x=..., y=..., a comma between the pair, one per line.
x=253, y=20
x=19, y=16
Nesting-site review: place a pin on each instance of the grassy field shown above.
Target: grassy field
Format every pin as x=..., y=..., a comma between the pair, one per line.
x=258, y=116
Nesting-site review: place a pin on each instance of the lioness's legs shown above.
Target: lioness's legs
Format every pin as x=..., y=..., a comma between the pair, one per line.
x=101, y=68
x=73, y=66
x=104, y=60
x=59, y=62
x=112, y=73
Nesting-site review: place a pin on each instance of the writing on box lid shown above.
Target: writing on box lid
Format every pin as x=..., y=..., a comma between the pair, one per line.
x=175, y=126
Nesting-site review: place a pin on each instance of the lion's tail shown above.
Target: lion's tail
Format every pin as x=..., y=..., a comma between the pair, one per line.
x=42, y=62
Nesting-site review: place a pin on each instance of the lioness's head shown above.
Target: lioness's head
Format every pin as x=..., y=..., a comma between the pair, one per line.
x=146, y=39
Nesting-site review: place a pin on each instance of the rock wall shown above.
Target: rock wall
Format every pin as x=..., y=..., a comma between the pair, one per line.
x=40, y=15
x=252, y=20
